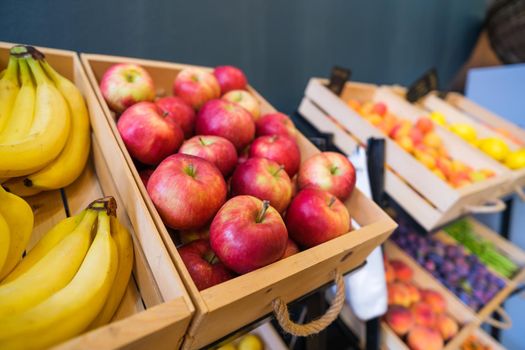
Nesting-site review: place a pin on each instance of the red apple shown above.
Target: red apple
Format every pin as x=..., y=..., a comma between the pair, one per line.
x=328, y=171
x=214, y=149
x=280, y=149
x=187, y=236
x=226, y=119
x=196, y=86
x=275, y=124
x=125, y=84
x=291, y=249
x=316, y=216
x=244, y=154
x=204, y=267
x=230, y=78
x=247, y=234
x=149, y=136
x=187, y=191
x=264, y=179
x=175, y=108
x=145, y=175
x=246, y=100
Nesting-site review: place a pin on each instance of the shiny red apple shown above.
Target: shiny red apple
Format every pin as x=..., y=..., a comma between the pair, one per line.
x=280, y=149
x=196, y=86
x=275, y=124
x=203, y=265
x=125, y=84
x=230, y=78
x=246, y=100
x=248, y=234
x=291, y=249
x=187, y=191
x=265, y=179
x=148, y=135
x=175, y=108
x=328, y=171
x=316, y=216
x=214, y=149
x=226, y=119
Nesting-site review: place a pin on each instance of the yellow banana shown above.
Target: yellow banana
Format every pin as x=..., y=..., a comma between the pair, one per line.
x=5, y=237
x=19, y=124
x=70, y=310
x=64, y=169
x=8, y=90
x=19, y=217
x=16, y=186
x=125, y=265
x=48, y=134
x=45, y=245
x=49, y=275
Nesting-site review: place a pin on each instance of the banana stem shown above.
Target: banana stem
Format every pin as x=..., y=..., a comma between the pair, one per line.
x=38, y=72
x=24, y=72
x=11, y=72
x=108, y=204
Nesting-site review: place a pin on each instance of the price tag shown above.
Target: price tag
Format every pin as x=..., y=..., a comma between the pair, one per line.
x=338, y=78
x=428, y=82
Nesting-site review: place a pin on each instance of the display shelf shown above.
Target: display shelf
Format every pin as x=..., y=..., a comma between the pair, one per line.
x=431, y=201
x=249, y=297
x=156, y=309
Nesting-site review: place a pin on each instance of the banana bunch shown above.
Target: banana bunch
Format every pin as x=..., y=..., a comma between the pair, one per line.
x=72, y=280
x=44, y=126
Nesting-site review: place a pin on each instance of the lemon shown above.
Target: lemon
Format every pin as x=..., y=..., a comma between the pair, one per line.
x=465, y=131
x=438, y=118
x=251, y=342
x=516, y=160
x=494, y=147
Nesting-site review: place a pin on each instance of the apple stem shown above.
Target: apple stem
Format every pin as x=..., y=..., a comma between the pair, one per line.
x=202, y=141
x=332, y=201
x=281, y=167
x=211, y=258
x=333, y=170
x=265, y=206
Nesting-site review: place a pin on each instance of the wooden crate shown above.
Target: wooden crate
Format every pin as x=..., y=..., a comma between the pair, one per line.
x=459, y=109
x=156, y=309
x=425, y=196
x=228, y=306
x=487, y=340
x=455, y=308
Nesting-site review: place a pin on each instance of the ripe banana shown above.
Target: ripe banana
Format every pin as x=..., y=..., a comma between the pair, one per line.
x=45, y=245
x=5, y=237
x=8, y=90
x=49, y=275
x=19, y=217
x=19, y=124
x=16, y=186
x=48, y=134
x=125, y=265
x=69, y=311
x=64, y=169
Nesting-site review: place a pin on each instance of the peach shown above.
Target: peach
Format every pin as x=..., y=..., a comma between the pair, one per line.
x=406, y=143
x=447, y=326
x=379, y=108
x=400, y=319
x=445, y=165
x=390, y=275
x=424, y=338
x=403, y=271
x=366, y=108
x=435, y=300
x=416, y=135
x=354, y=104
x=398, y=294
x=477, y=176
x=439, y=174
x=488, y=172
x=431, y=139
x=425, y=158
x=400, y=130
x=458, y=166
x=413, y=292
x=423, y=314
x=442, y=151
x=374, y=119
x=425, y=125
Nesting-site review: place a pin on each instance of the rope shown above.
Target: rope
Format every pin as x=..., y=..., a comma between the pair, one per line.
x=505, y=324
x=280, y=311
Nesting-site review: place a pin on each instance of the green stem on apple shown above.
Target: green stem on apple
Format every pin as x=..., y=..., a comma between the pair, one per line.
x=281, y=167
x=202, y=141
x=264, y=208
x=211, y=258
x=333, y=170
x=332, y=201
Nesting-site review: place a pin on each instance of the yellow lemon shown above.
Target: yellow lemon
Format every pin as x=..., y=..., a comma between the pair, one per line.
x=465, y=131
x=251, y=342
x=516, y=160
x=494, y=147
x=438, y=118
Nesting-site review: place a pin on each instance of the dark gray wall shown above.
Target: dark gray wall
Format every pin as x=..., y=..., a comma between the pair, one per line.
x=280, y=44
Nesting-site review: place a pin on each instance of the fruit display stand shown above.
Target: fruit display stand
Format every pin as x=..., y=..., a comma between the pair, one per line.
x=156, y=309
x=485, y=339
x=430, y=200
x=233, y=304
x=465, y=317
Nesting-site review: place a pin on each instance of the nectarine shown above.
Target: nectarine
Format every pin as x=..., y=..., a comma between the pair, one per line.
x=400, y=319
x=424, y=338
